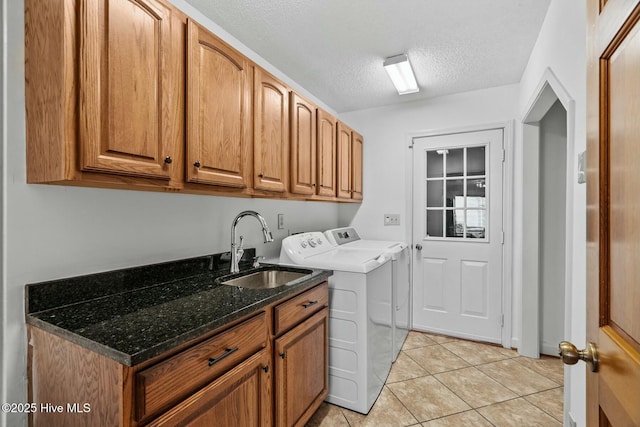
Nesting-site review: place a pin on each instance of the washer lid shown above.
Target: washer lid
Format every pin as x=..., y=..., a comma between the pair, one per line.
x=349, y=260
x=347, y=237
x=382, y=245
x=313, y=250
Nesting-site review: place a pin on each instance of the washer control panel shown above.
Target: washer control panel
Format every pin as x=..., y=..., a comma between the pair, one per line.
x=304, y=245
x=340, y=236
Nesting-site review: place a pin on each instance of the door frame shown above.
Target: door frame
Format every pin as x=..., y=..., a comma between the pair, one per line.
x=508, y=133
x=548, y=91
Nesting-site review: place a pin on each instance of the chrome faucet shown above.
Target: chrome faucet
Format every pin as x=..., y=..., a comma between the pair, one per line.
x=237, y=251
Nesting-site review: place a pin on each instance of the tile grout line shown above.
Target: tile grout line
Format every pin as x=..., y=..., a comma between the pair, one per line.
x=542, y=409
x=405, y=406
x=538, y=372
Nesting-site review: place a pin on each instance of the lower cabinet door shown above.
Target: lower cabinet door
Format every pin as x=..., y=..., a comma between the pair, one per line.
x=241, y=397
x=301, y=370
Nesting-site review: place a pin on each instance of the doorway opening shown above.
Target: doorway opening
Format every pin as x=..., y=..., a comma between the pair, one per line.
x=547, y=227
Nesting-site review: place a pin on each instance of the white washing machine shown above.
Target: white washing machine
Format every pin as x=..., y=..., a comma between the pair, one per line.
x=348, y=238
x=360, y=345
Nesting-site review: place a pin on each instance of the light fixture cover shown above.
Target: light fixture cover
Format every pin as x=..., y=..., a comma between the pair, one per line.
x=401, y=74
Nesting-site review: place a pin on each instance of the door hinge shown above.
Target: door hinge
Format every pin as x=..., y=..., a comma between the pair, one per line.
x=502, y=320
x=504, y=155
x=502, y=237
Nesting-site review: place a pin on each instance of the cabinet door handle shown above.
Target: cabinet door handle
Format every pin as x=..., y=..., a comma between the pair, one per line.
x=196, y=164
x=265, y=368
x=310, y=303
x=260, y=175
x=168, y=160
x=228, y=352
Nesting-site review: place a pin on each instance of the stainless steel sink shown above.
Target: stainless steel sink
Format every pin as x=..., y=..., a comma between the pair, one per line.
x=265, y=279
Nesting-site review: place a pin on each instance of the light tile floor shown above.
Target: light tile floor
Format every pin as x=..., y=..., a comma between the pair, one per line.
x=441, y=381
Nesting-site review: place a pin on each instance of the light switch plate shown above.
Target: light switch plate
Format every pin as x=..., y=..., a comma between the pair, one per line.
x=582, y=164
x=280, y=221
x=391, y=219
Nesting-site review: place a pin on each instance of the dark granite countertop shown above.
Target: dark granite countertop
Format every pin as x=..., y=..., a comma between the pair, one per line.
x=133, y=315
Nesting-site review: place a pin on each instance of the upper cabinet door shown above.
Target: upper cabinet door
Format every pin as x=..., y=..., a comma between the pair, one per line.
x=326, y=181
x=130, y=102
x=271, y=133
x=303, y=146
x=218, y=110
x=356, y=166
x=344, y=161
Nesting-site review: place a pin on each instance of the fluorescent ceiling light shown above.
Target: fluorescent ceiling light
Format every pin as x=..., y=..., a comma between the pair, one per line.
x=401, y=74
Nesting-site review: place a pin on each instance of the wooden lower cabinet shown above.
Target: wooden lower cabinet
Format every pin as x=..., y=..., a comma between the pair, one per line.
x=301, y=370
x=233, y=377
x=241, y=397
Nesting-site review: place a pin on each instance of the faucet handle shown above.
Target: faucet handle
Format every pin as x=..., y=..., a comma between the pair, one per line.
x=241, y=243
x=256, y=261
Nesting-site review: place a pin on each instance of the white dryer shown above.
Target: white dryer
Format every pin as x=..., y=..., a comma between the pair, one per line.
x=360, y=345
x=348, y=238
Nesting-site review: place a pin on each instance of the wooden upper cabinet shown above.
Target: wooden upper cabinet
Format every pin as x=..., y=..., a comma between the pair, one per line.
x=326, y=180
x=303, y=145
x=356, y=165
x=134, y=94
x=271, y=133
x=218, y=110
x=344, y=151
x=130, y=79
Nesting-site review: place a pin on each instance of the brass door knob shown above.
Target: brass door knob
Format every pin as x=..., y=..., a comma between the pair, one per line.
x=570, y=354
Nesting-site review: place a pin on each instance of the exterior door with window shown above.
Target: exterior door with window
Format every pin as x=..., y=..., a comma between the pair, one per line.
x=457, y=234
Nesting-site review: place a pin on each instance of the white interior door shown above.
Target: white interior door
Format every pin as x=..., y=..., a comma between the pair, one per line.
x=457, y=234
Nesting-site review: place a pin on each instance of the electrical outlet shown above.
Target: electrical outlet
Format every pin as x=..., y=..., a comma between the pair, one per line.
x=280, y=221
x=391, y=219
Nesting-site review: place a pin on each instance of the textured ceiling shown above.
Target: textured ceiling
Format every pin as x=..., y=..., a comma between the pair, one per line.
x=335, y=48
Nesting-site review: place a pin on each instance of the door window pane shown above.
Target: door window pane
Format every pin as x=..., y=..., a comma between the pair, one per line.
x=455, y=223
x=435, y=194
x=455, y=193
x=435, y=164
x=476, y=193
x=434, y=223
x=476, y=223
x=455, y=162
x=476, y=161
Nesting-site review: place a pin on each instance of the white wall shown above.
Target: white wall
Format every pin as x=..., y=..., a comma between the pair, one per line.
x=553, y=159
x=53, y=232
x=561, y=46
